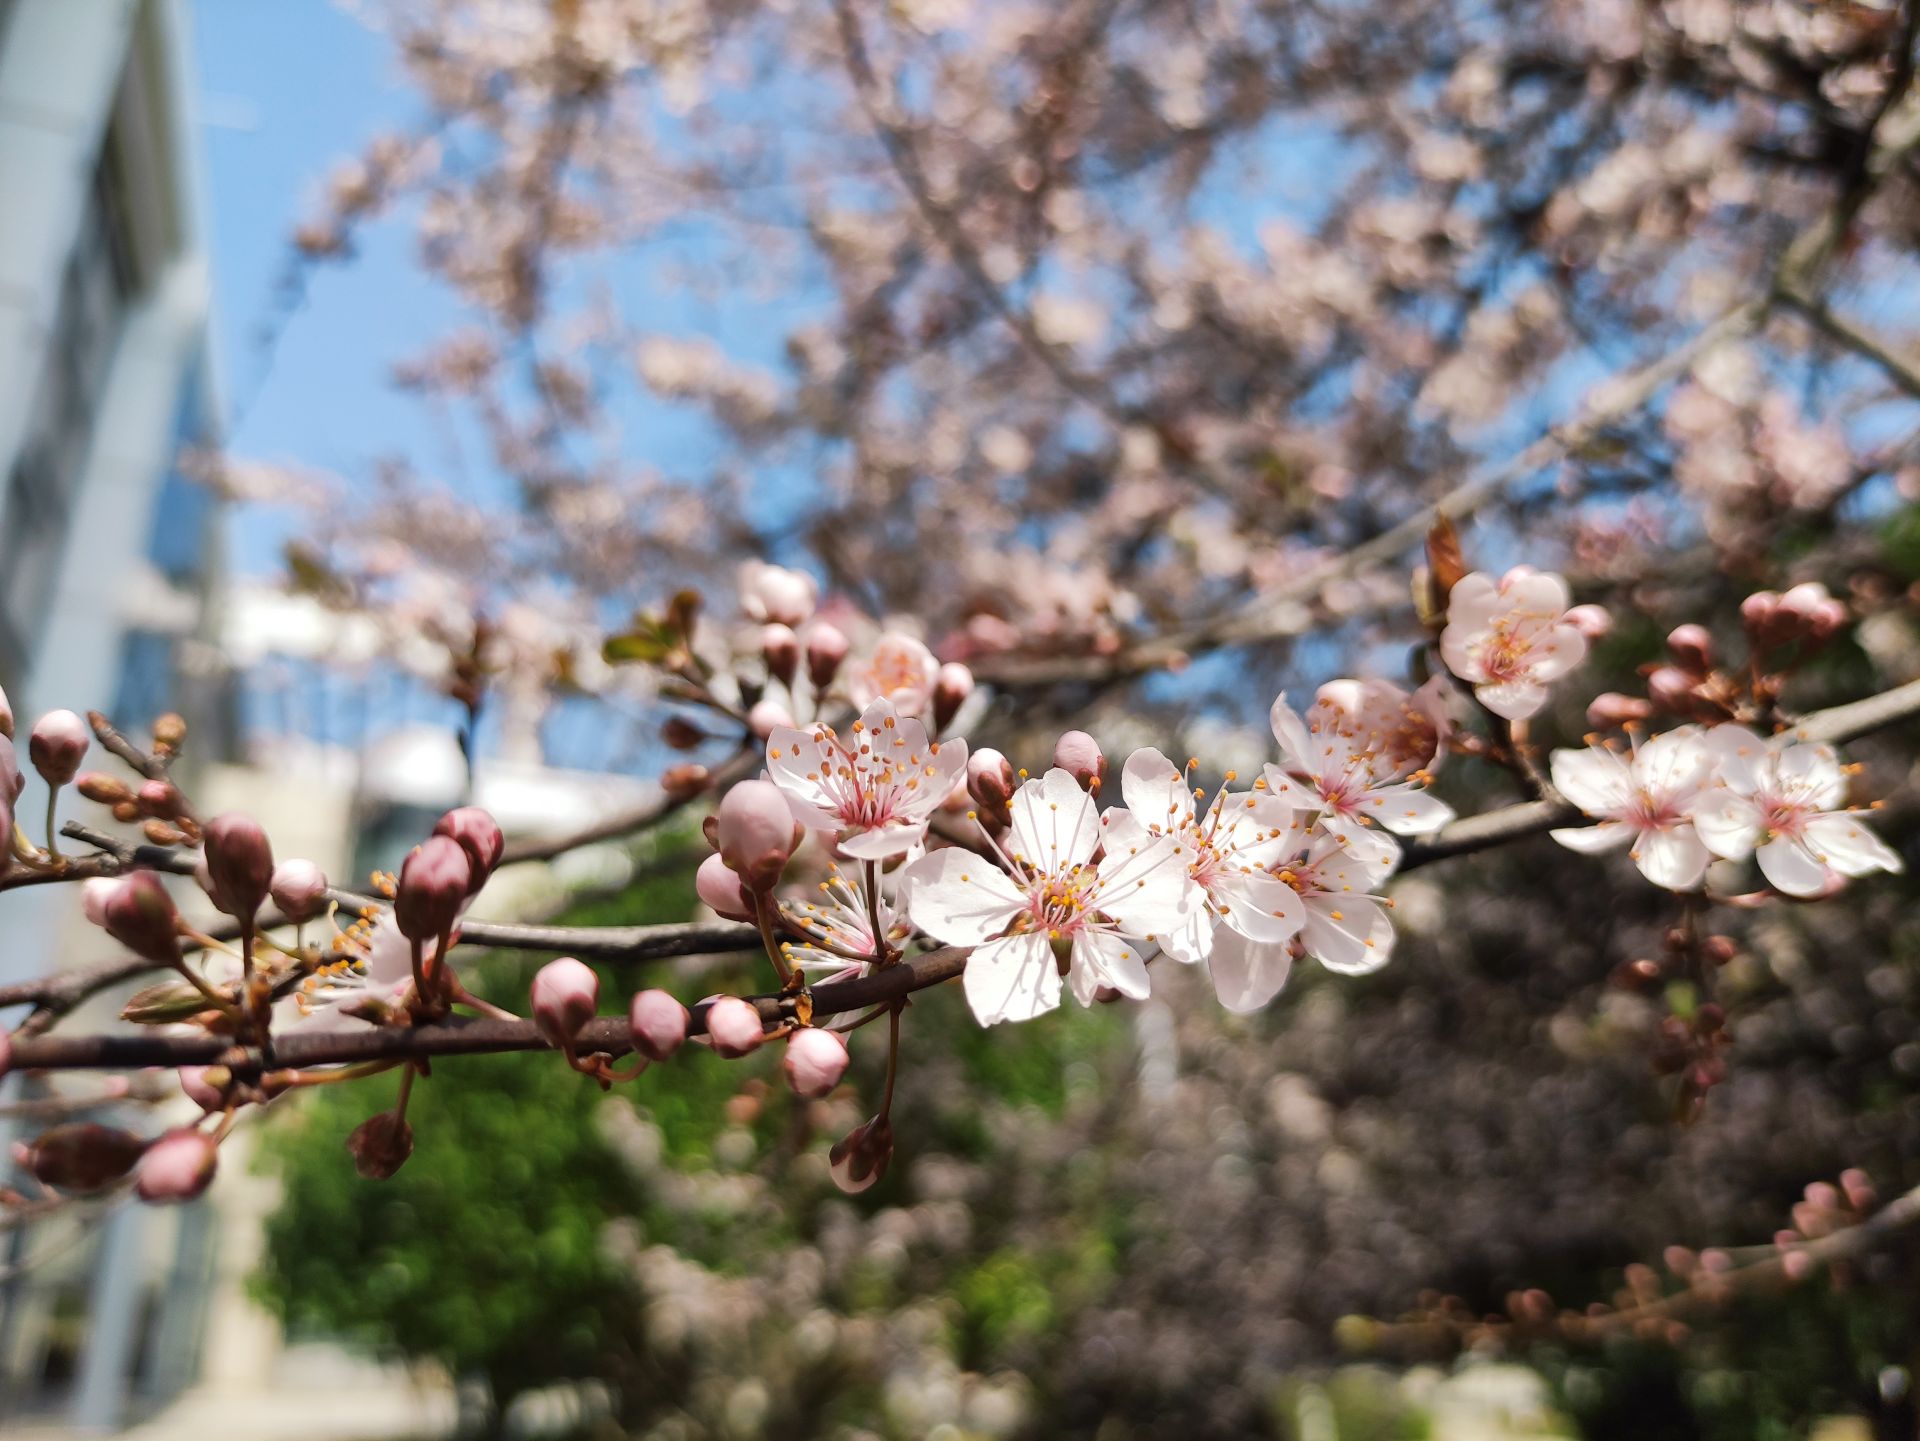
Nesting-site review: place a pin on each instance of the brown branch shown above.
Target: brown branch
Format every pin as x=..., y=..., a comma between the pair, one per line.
x=453, y=1037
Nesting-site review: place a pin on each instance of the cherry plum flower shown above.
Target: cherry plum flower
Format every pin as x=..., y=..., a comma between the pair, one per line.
x=839, y=925
x=1511, y=638
x=775, y=595
x=1054, y=914
x=1784, y=804
x=1342, y=926
x=1229, y=851
x=874, y=791
x=1351, y=769
x=1646, y=801
x=898, y=669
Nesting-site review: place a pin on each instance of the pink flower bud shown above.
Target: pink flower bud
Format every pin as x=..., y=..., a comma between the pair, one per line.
x=140, y=915
x=767, y=716
x=566, y=994
x=299, y=888
x=815, y=1061
x=82, y=1156
x=57, y=746
x=1802, y=600
x=159, y=799
x=860, y=1158
x=6, y=1053
x=239, y=862
x=754, y=830
x=380, y=1146
x=952, y=684
x=177, y=1167
x=6, y=716
x=479, y=836
x=990, y=778
x=201, y=1091
x=434, y=883
x=1671, y=689
x=719, y=887
x=1827, y=620
x=1856, y=1183
x=659, y=1024
x=774, y=593
x=780, y=648
x=1078, y=754
x=1796, y=1265
x=1758, y=610
x=1611, y=708
x=827, y=649
x=94, y=895
x=734, y=1027
x=1691, y=646
x=1592, y=621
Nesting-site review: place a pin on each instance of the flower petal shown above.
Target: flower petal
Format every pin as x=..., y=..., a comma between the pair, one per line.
x=1296, y=746
x=961, y=898
x=1408, y=811
x=1849, y=847
x=1349, y=934
x=1146, y=889
x=1512, y=700
x=1247, y=974
x=1729, y=823
x=799, y=762
x=1156, y=791
x=1260, y=907
x=1108, y=960
x=895, y=838
x=1672, y=856
x=1014, y=979
x=1594, y=779
x=1594, y=840
x=1791, y=868
x=1055, y=824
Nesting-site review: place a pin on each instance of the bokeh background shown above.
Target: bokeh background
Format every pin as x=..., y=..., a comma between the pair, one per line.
x=1234, y=286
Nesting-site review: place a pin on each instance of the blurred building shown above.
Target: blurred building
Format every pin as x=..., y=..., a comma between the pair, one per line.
x=106, y=562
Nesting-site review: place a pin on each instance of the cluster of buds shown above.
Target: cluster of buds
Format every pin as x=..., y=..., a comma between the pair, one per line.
x=1692, y=1048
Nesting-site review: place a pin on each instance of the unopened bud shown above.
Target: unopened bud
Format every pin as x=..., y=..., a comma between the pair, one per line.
x=107, y=790
x=990, y=778
x=479, y=835
x=205, y=1086
x=754, y=830
x=1757, y=613
x=140, y=915
x=768, y=716
x=827, y=649
x=1719, y=949
x=659, y=1024
x=83, y=1156
x=815, y=1061
x=780, y=648
x=684, y=782
x=94, y=895
x=951, y=687
x=57, y=746
x=127, y=811
x=1827, y=620
x=566, y=994
x=1691, y=646
x=718, y=886
x=160, y=799
x=1671, y=689
x=6, y=716
x=239, y=861
x=1858, y=1188
x=434, y=884
x=1078, y=754
x=681, y=734
x=12, y=782
x=734, y=1027
x=860, y=1158
x=163, y=833
x=177, y=1167
x=299, y=889
x=170, y=732
x=1610, y=709
x=380, y=1146
x=1592, y=621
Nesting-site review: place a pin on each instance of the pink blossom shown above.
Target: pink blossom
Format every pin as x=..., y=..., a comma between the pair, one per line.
x=299, y=889
x=774, y=594
x=899, y=669
x=826, y=649
x=839, y=924
x=1052, y=903
x=718, y=886
x=434, y=885
x=1646, y=801
x=874, y=791
x=239, y=864
x=1230, y=851
x=565, y=995
x=1510, y=639
x=1783, y=803
x=177, y=1167
x=754, y=830
x=1355, y=763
